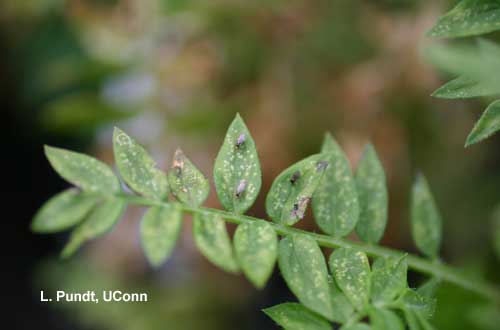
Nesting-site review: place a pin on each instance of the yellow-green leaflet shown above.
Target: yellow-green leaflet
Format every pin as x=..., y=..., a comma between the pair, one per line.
x=351, y=271
x=100, y=221
x=292, y=190
x=342, y=308
x=63, y=211
x=293, y=316
x=468, y=18
x=425, y=219
x=385, y=319
x=237, y=175
x=186, y=182
x=488, y=124
x=137, y=168
x=160, y=229
x=256, y=247
x=83, y=171
x=372, y=195
x=303, y=267
x=212, y=239
x=388, y=279
x=335, y=201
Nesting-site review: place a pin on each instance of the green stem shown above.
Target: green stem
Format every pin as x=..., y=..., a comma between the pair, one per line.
x=432, y=268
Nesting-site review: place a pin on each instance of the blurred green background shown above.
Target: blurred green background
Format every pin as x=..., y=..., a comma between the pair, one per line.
x=174, y=73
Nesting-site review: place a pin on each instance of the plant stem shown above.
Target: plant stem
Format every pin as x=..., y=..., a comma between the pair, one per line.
x=433, y=268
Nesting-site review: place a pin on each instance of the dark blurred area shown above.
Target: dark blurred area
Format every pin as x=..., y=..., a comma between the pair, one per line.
x=174, y=73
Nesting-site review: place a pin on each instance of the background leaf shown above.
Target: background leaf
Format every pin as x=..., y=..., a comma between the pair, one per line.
x=186, y=182
x=372, y=195
x=496, y=232
x=335, y=202
x=488, y=124
x=351, y=271
x=292, y=190
x=212, y=239
x=468, y=18
x=100, y=221
x=303, y=267
x=137, y=168
x=388, y=279
x=63, y=211
x=256, y=247
x=292, y=316
x=237, y=167
x=160, y=229
x=83, y=171
x=425, y=219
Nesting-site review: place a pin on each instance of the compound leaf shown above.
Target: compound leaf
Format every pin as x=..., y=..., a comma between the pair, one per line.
x=137, y=168
x=292, y=190
x=303, y=267
x=100, y=221
x=63, y=211
x=388, y=278
x=425, y=219
x=83, y=171
x=351, y=271
x=160, y=229
x=212, y=239
x=468, y=18
x=256, y=247
x=488, y=124
x=237, y=173
x=293, y=316
x=186, y=182
x=372, y=195
x=335, y=202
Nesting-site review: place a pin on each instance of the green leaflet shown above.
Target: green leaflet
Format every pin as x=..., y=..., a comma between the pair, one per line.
x=62, y=211
x=468, y=18
x=372, y=194
x=418, y=303
x=488, y=124
x=100, y=221
x=424, y=323
x=303, y=267
x=465, y=87
x=160, y=229
x=341, y=306
x=425, y=219
x=429, y=288
x=137, y=168
x=212, y=239
x=186, y=182
x=411, y=319
x=335, y=202
x=237, y=173
x=388, y=279
x=83, y=171
x=256, y=247
x=351, y=271
x=384, y=319
x=293, y=316
x=291, y=191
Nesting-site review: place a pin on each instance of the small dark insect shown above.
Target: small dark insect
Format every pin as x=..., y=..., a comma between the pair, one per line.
x=178, y=163
x=241, y=188
x=321, y=165
x=295, y=177
x=241, y=140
